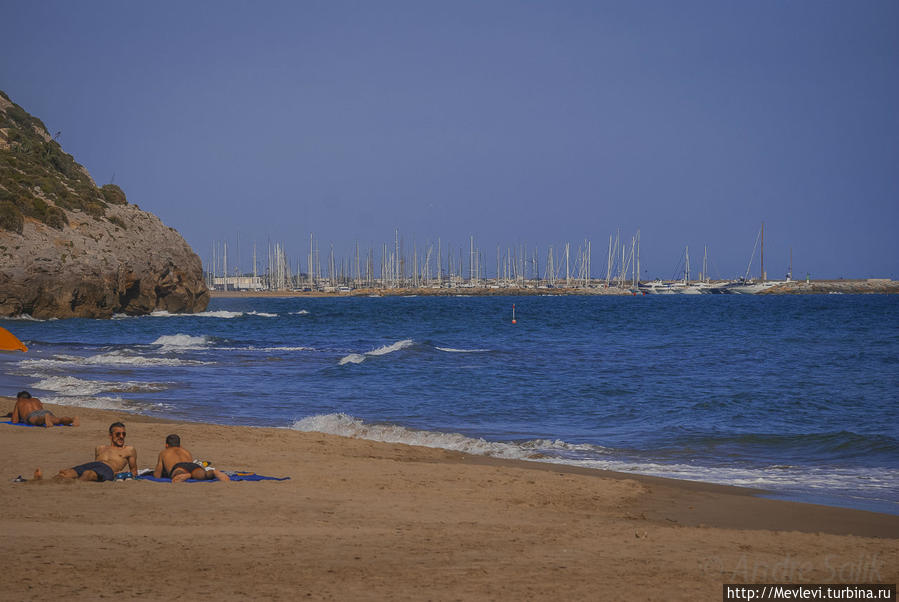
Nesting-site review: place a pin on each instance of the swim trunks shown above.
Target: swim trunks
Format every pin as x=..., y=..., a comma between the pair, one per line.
x=37, y=414
x=104, y=472
x=188, y=466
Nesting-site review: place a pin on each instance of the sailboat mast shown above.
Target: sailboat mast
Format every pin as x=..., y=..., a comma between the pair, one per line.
x=686, y=264
x=705, y=274
x=225, y=269
x=609, y=263
x=790, y=275
x=589, y=260
x=638, y=258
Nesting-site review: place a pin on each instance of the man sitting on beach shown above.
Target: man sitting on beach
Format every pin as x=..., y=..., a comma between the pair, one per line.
x=108, y=460
x=30, y=410
x=176, y=463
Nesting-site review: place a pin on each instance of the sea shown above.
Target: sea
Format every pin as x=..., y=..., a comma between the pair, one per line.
x=797, y=396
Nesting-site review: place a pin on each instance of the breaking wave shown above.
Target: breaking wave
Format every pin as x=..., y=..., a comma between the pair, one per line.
x=384, y=350
x=181, y=341
x=112, y=358
x=204, y=314
x=164, y=314
x=71, y=386
x=879, y=483
x=356, y=358
x=349, y=426
x=451, y=350
x=266, y=349
x=353, y=358
x=122, y=358
x=281, y=349
x=104, y=403
x=225, y=314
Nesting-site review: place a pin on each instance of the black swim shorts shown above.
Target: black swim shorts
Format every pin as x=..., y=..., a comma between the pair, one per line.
x=187, y=466
x=104, y=472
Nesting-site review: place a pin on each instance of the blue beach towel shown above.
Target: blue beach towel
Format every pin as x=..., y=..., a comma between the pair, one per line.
x=235, y=476
x=33, y=425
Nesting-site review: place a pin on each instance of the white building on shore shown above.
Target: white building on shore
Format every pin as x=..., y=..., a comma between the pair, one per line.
x=237, y=283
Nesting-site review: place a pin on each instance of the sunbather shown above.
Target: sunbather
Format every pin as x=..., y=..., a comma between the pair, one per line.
x=108, y=460
x=176, y=463
x=30, y=410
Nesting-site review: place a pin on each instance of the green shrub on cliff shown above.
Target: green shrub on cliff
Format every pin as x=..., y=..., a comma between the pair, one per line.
x=56, y=218
x=10, y=217
x=38, y=179
x=113, y=194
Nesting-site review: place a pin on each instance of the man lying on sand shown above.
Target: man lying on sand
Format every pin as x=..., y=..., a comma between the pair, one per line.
x=176, y=463
x=30, y=410
x=108, y=460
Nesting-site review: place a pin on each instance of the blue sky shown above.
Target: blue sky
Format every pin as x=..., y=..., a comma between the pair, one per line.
x=516, y=122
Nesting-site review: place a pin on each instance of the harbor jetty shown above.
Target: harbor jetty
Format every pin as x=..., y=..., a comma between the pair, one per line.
x=880, y=286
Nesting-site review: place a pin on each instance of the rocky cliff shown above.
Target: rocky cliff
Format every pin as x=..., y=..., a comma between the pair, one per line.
x=71, y=249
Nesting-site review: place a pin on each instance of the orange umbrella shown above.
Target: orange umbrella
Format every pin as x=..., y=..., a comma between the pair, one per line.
x=8, y=342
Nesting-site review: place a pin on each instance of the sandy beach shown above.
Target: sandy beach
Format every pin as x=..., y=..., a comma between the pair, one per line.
x=367, y=520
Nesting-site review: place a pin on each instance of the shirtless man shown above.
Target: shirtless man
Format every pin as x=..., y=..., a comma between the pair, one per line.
x=176, y=463
x=30, y=410
x=108, y=460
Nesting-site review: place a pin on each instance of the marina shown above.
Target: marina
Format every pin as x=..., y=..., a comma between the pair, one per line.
x=438, y=269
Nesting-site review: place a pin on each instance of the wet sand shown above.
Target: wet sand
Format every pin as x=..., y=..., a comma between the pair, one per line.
x=366, y=520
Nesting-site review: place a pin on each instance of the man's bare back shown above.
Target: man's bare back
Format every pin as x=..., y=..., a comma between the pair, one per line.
x=176, y=463
x=30, y=410
x=24, y=407
x=171, y=456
